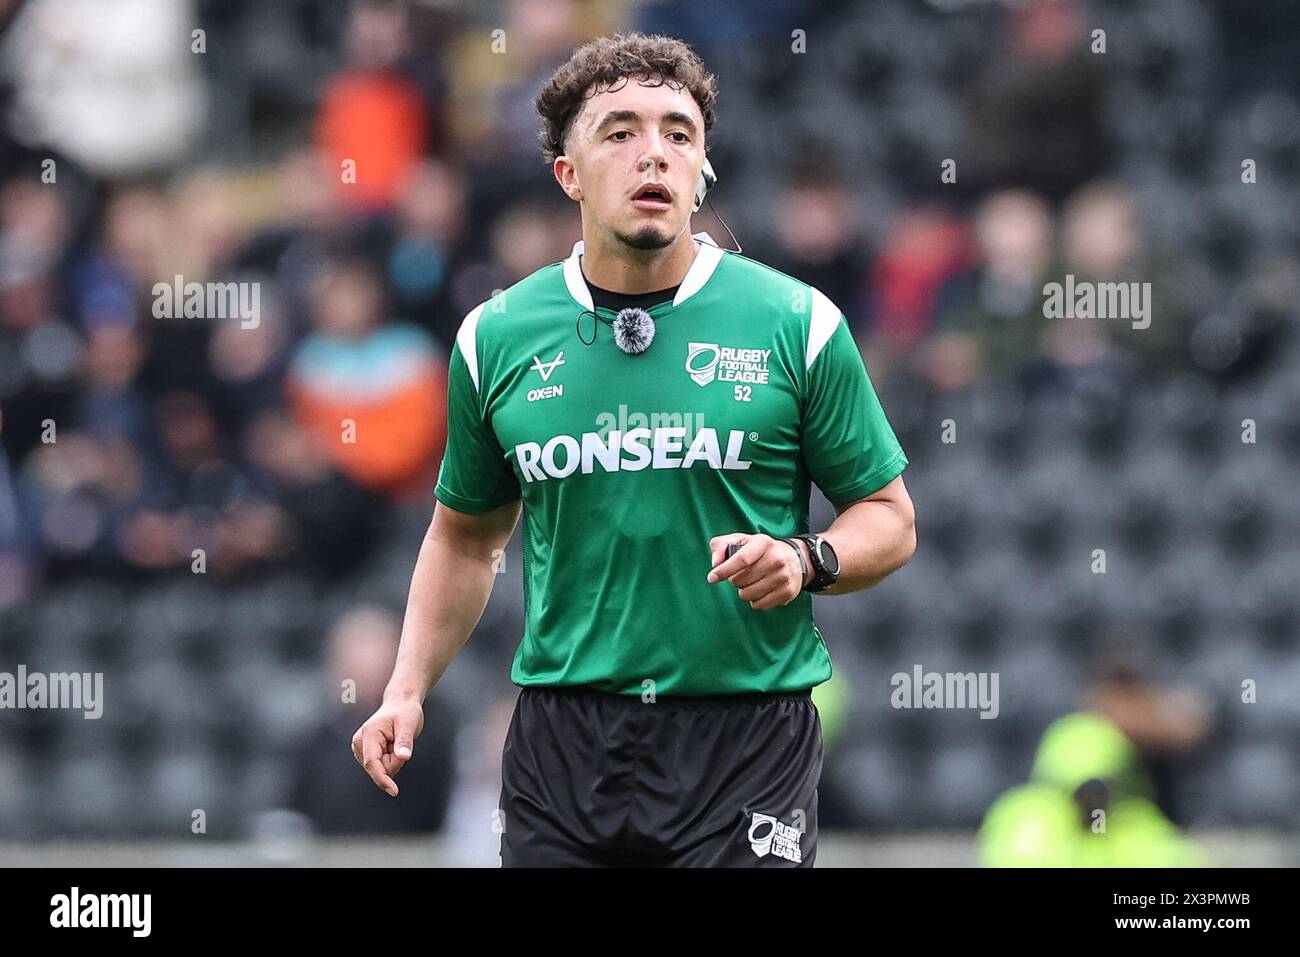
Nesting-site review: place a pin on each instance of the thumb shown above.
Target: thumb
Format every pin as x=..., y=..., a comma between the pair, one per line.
x=403, y=737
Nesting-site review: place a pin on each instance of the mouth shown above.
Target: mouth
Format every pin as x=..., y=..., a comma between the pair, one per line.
x=653, y=196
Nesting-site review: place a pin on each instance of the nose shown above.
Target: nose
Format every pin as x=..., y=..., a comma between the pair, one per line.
x=656, y=158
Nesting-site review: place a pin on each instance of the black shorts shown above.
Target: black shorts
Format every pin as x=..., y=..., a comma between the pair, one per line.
x=594, y=779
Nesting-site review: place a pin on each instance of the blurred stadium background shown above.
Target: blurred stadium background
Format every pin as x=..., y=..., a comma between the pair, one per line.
x=222, y=156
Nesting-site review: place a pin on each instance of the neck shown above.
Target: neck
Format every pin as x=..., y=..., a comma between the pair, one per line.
x=615, y=266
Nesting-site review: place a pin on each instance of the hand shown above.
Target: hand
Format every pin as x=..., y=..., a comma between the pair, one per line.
x=386, y=741
x=765, y=571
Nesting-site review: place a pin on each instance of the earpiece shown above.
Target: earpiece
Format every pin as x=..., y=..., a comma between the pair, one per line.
x=705, y=183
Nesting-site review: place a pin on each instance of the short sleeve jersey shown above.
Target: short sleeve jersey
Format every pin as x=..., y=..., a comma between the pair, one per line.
x=628, y=464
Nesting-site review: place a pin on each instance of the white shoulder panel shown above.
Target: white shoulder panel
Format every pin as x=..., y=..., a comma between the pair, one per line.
x=467, y=339
x=825, y=320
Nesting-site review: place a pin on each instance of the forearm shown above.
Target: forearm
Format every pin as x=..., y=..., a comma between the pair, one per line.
x=449, y=590
x=872, y=539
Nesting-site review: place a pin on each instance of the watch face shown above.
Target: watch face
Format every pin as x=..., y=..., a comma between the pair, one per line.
x=830, y=560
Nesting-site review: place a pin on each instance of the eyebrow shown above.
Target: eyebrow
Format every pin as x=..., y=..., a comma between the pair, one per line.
x=631, y=116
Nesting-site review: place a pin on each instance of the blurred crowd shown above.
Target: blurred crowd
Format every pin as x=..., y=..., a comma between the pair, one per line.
x=373, y=168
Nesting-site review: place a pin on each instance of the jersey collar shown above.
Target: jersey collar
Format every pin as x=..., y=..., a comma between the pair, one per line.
x=702, y=267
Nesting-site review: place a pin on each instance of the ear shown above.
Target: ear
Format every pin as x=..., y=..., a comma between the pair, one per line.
x=566, y=174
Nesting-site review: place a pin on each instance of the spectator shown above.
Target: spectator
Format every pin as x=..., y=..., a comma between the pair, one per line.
x=1037, y=112
x=1088, y=805
x=1102, y=242
x=371, y=396
x=371, y=127
x=923, y=249
x=429, y=247
x=989, y=318
x=327, y=787
x=817, y=238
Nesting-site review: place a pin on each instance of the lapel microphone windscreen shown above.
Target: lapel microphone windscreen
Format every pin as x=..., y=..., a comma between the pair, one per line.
x=634, y=330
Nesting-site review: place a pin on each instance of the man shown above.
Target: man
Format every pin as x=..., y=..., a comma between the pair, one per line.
x=665, y=716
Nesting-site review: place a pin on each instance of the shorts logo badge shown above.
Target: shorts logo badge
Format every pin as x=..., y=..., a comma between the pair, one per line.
x=767, y=836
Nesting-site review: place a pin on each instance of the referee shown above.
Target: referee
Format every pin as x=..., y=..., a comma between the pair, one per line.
x=647, y=403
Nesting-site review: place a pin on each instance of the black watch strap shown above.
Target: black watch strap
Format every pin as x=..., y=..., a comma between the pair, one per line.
x=823, y=578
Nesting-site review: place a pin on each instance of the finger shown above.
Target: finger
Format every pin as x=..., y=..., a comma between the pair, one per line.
x=769, y=563
x=373, y=744
x=777, y=588
x=783, y=594
x=392, y=763
x=378, y=770
x=404, y=740
x=718, y=546
x=748, y=553
x=762, y=588
x=776, y=597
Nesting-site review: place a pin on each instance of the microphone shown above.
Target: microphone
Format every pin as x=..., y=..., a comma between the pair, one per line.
x=634, y=329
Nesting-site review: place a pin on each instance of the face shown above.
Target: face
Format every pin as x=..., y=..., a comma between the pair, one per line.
x=622, y=141
x=348, y=302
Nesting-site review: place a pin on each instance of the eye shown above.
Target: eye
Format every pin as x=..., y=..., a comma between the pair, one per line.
x=620, y=133
x=684, y=137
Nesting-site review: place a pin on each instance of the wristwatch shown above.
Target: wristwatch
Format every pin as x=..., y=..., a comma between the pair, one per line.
x=825, y=563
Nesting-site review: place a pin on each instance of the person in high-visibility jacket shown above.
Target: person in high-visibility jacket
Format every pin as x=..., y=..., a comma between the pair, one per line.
x=1088, y=804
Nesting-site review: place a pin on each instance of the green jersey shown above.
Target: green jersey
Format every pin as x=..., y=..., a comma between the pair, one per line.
x=627, y=465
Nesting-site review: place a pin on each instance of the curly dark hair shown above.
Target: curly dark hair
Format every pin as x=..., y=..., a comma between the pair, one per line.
x=599, y=64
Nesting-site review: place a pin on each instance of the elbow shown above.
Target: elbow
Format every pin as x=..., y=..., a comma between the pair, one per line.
x=907, y=541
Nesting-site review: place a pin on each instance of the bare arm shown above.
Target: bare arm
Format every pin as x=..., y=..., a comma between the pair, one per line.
x=873, y=537
x=450, y=587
